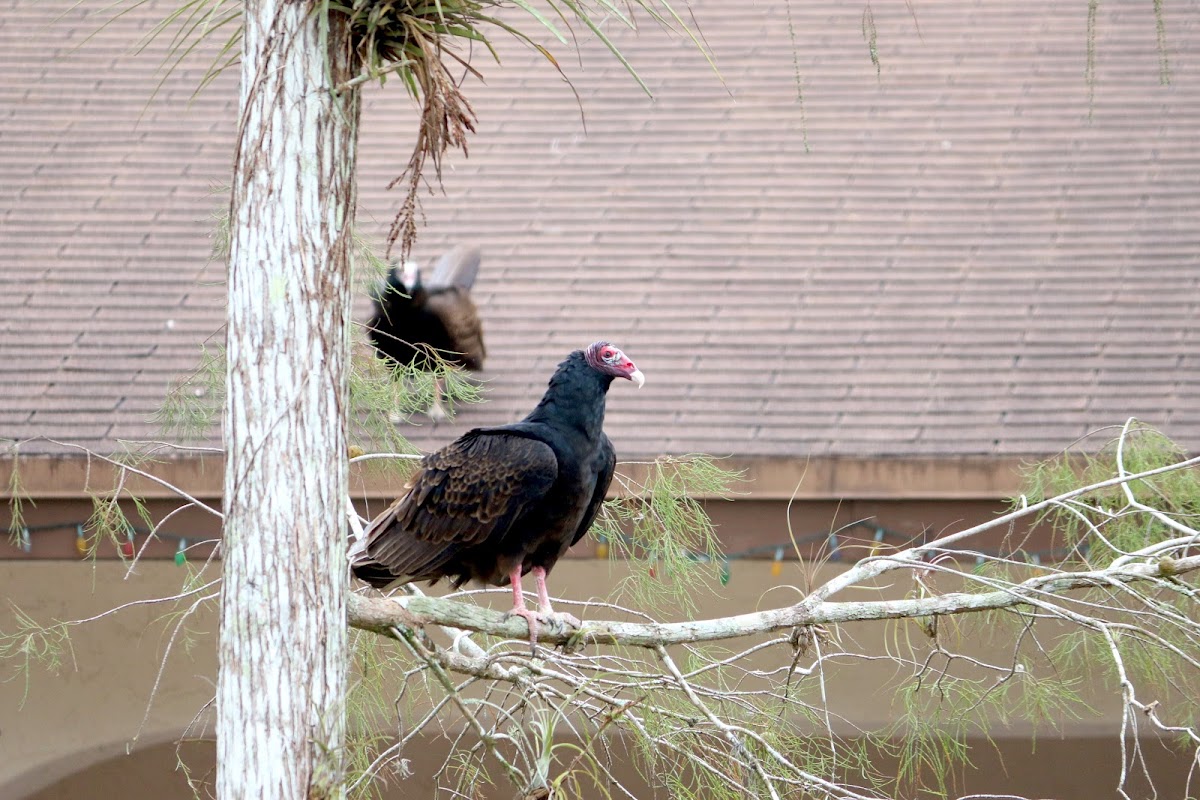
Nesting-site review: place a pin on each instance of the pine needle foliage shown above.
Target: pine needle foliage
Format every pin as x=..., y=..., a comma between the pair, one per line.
x=192, y=405
x=382, y=394
x=753, y=718
x=1089, y=73
x=17, y=497
x=369, y=710
x=33, y=645
x=107, y=522
x=1108, y=523
x=939, y=712
x=661, y=523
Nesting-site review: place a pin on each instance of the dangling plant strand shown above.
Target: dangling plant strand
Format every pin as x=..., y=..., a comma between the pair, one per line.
x=419, y=43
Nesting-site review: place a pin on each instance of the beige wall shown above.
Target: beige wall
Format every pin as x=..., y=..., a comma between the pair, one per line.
x=69, y=737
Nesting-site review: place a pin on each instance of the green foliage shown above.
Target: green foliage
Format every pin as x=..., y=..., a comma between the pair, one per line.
x=797, y=75
x=871, y=37
x=193, y=403
x=701, y=763
x=1161, y=660
x=368, y=708
x=661, y=522
x=370, y=269
x=33, y=645
x=928, y=739
x=109, y=521
x=1103, y=524
x=470, y=775
x=1089, y=73
x=566, y=768
x=383, y=393
x=17, y=497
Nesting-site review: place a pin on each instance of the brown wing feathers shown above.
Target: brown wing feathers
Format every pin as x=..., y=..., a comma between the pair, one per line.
x=468, y=494
x=464, y=331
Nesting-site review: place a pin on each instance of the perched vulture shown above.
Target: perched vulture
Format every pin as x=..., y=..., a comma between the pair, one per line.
x=414, y=318
x=500, y=502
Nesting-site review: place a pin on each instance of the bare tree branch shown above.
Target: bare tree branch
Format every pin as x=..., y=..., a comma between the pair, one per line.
x=380, y=614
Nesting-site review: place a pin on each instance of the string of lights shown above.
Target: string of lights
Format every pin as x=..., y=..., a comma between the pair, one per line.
x=776, y=553
x=125, y=548
x=837, y=548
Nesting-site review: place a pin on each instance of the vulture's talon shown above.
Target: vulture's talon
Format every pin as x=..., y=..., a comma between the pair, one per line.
x=562, y=620
x=531, y=618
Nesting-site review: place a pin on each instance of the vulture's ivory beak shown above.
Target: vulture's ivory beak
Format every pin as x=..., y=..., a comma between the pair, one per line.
x=637, y=377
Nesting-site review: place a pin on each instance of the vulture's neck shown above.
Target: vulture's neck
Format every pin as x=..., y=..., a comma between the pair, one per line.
x=574, y=401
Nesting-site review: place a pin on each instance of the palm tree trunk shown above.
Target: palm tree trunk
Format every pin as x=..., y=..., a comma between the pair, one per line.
x=283, y=640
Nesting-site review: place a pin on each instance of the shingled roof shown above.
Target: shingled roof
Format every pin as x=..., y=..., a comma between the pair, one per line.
x=960, y=252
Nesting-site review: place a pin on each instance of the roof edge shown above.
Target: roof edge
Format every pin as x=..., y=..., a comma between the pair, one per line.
x=71, y=476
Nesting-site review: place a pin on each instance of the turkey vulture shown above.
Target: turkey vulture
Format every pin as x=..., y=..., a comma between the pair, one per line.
x=414, y=319
x=500, y=502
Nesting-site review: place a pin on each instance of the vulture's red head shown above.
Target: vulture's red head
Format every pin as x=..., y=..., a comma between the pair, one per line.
x=604, y=357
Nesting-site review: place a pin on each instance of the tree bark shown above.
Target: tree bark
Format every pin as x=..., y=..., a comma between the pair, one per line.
x=283, y=639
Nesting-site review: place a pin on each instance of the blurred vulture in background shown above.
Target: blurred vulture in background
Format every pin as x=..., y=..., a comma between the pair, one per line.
x=418, y=321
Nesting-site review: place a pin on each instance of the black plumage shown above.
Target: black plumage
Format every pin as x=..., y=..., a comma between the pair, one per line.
x=416, y=322
x=500, y=502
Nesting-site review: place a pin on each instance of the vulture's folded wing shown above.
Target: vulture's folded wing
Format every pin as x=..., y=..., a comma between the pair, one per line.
x=470, y=494
x=608, y=465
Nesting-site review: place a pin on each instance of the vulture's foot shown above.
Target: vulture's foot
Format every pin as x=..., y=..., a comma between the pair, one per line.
x=567, y=624
x=561, y=619
x=556, y=621
x=530, y=617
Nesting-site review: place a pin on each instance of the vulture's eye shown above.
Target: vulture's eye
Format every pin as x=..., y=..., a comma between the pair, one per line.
x=608, y=354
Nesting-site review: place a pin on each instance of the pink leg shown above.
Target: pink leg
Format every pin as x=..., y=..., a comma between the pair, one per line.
x=519, y=608
x=514, y=578
x=539, y=575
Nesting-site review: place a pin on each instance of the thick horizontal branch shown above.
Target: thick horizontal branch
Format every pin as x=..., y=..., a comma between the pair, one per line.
x=381, y=614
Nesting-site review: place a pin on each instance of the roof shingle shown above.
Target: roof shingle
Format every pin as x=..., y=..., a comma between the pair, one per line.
x=969, y=252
